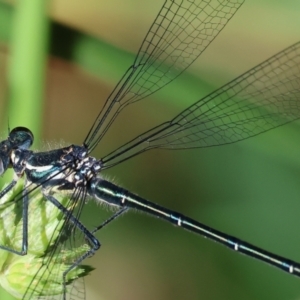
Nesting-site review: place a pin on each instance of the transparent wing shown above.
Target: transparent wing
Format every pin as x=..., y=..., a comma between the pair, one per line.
x=54, y=244
x=263, y=98
x=180, y=33
x=66, y=244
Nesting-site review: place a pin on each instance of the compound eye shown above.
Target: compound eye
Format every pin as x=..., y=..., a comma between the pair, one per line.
x=4, y=162
x=21, y=137
x=2, y=169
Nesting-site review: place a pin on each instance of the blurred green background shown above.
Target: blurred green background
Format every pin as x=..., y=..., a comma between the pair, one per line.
x=249, y=189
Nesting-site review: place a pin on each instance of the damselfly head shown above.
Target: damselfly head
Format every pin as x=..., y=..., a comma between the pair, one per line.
x=19, y=137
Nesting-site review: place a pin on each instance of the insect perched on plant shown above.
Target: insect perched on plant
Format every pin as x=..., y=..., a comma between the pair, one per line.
x=44, y=257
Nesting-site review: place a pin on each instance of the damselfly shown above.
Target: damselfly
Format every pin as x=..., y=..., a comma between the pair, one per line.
x=257, y=101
